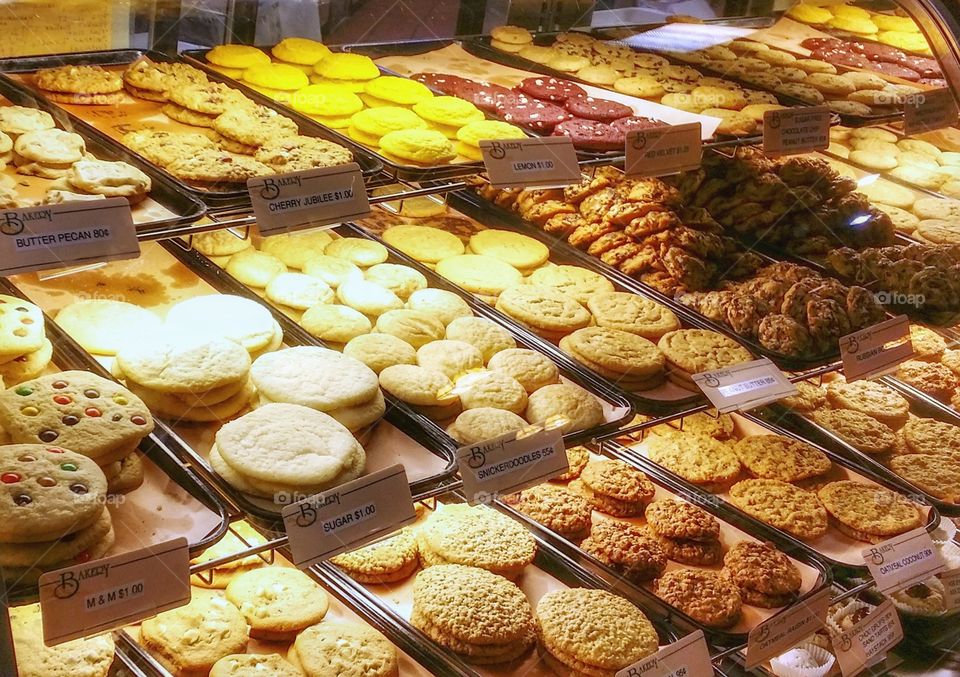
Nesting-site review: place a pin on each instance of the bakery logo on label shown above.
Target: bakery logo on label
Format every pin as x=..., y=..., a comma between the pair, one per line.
x=70, y=580
x=499, y=149
x=271, y=187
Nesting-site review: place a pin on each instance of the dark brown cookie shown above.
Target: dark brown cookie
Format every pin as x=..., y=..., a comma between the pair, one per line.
x=441, y=82
x=550, y=89
x=540, y=116
x=602, y=110
x=590, y=134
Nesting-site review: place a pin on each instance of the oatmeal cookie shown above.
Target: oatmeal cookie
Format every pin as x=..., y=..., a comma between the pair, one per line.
x=782, y=458
x=707, y=597
x=577, y=459
x=868, y=512
x=782, y=506
x=766, y=577
x=874, y=399
x=627, y=549
x=862, y=432
x=935, y=474
x=616, y=488
x=686, y=551
x=679, y=519
x=558, y=509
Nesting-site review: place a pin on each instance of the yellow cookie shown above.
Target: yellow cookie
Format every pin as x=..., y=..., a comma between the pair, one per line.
x=237, y=56
x=326, y=101
x=475, y=132
x=347, y=66
x=422, y=146
x=448, y=110
x=398, y=91
x=809, y=14
x=276, y=76
x=300, y=51
x=379, y=121
x=355, y=86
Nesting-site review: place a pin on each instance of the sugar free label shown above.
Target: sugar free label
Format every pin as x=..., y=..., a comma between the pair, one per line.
x=877, y=349
x=663, y=150
x=796, y=130
x=745, y=386
x=345, y=518
x=928, y=111
x=869, y=640
x=788, y=627
x=307, y=199
x=510, y=463
x=99, y=596
x=687, y=657
x=73, y=233
x=531, y=163
x=903, y=560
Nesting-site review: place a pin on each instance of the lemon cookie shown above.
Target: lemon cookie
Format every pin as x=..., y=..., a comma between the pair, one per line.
x=237, y=57
x=300, y=51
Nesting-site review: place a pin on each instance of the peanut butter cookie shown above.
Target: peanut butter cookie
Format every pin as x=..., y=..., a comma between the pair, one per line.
x=874, y=399
x=696, y=458
x=857, y=429
x=781, y=505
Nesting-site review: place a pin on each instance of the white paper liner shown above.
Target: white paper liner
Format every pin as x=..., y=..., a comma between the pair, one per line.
x=944, y=532
x=851, y=606
x=824, y=658
x=915, y=609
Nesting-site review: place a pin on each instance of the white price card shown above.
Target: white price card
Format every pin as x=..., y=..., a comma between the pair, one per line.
x=868, y=641
x=324, y=525
x=903, y=560
x=68, y=234
x=105, y=594
x=745, y=386
x=951, y=588
x=660, y=151
x=876, y=350
x=540, y=162
x=510, y=463
x=687, y=657
x=787, y=628
x=792, y=131
x=308, y=199
x=928, y=111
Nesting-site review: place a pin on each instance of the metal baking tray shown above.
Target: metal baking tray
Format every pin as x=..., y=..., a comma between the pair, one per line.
x=175, y=205
x=551, y=569
x=108, y=121
x=192, y=496
x=805, y=427
x=734, y=528
x=401, y=171
x=469, y=202
x=930, y=403
x=844, y=118
x=840, y=552
x=664, y=399
x=617, y=408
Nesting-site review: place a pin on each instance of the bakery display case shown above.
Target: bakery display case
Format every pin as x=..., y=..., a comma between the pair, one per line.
x=246, y=387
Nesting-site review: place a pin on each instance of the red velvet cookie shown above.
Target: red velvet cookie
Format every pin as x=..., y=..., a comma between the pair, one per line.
x=550, y=89
x=537, y=115
x=590, y=134
x=896, y=70
x=483, y=95
x=442, y=82
x=602, y=110
x=627, y=125
x=821, y=43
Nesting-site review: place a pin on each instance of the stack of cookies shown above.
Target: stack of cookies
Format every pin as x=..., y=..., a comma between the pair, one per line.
x=694, y=351
x=626, y=549
x=48, y=153
x=277, y=602
x=233, y=317
x=708, y=597
x=687, y=534
x=477, y=614
x=322, y=379
x=615, y=488
x=628, y=360
x=185, y=377
x=393, y=559
x=476, y=537
x=285, y=452
x=84, y=85
x=89, y=657
x=149, y=80
x=82, y=412
x=765, y=576
x=594, y=632
x=868, y=512
x=53, y=511
x=557, y=508
x=25, y=350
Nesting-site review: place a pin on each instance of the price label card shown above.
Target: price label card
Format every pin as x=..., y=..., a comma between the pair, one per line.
x=544, y=162
x=927, y=111
x=68, y=234
x=903, y=560
x=109, y=593
x=355, y=513
x=869, y=640
x=796, y=130
x=308, y=199
x=951, y=588
x=787, y=628
x=509, y=463
x=745, y=386
x=877, y=349
x=687, y=657
x=660, y=151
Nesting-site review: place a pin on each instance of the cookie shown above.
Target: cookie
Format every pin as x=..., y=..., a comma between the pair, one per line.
x=868, y=512
x=550, y=89
x=782, y=506
x=423, y=243
x=632, y=313
x=209, y=98
x=935, y=380
x=128, y=477
x=27, y=366
x=335, y=324
x=252, y=665
x=627, y=549
x=567, y=406
x=681, y=520
x=765, y=576
x=479, y=274
x=358, y=251
x=314, y=377
x=879, y=401
x=84, y=80
x=78, y=410
x=53, y=147
x=577, y=459
x=558, y=509
x=476, y=536
x=171, y=362
x=480, y=615
x=687, y=551
x=195, y=636
x=616, y=488
x=444, y=305
x=623, y=357
x=277, y=602
x=332, y=270
x=298, y=291
x=379, y=351
x=236, y=56
x=696, y=458
x=387, y=561
x=88, y=657
x=514, y=35
x=548, y=311
x=400, y=280
x=590, y=134
x=708, y=423
x=532, y=370
x=17, y=120
x=369, y=298
x=486, y=335
x=587, y=631
x=930, y=436
x=339, y=648
x=297, y=153
x=418, y=386
x=484, y=423
x=694, y=351
x=454, y=359
x=935, y=474
x=705, y=596
x=857, y=429
x=781, y=458
x=540, y=116
x=412, y=326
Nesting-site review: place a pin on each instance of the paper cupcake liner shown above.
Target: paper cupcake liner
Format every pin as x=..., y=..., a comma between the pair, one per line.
x=834, y=619
x=818, y=653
